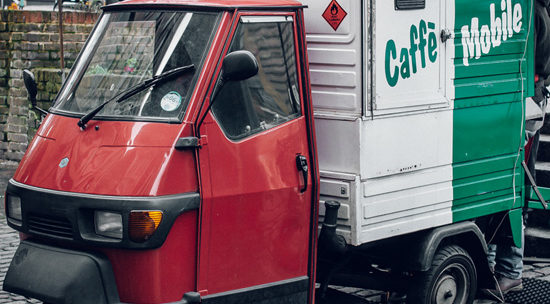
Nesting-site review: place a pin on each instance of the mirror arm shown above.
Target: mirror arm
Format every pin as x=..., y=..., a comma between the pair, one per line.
x=217, y=87
x=34, y=106
x=236, y=66
x=39, y=109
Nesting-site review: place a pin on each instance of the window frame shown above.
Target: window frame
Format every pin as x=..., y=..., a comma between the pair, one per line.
x=178, y=119
x=263, y=17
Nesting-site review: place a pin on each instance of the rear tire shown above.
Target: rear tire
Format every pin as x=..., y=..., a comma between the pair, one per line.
x=452, y=279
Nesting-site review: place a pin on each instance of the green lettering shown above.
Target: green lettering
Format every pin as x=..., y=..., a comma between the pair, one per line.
x=432, y=47
x=423, y=30
x=391, y=54
x=414, y=47
x=405, y=65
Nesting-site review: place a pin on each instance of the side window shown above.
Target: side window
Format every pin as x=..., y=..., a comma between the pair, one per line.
x=271, y=97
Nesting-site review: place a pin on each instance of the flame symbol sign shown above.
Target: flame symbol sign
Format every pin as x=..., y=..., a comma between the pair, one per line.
x=334, y=9
x=334, y=14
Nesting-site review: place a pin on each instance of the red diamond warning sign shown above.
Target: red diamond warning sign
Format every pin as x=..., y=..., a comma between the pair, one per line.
x=334, y=14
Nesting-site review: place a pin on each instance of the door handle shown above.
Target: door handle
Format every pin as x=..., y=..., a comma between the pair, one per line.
x=301, y=164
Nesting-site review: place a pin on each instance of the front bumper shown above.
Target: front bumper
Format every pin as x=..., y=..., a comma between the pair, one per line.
x=58, y=275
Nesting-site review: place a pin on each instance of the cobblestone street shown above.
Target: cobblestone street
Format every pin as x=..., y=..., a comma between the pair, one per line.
x=8, y=244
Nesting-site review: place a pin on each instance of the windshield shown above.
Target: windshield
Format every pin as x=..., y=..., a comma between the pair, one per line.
x=128, y=48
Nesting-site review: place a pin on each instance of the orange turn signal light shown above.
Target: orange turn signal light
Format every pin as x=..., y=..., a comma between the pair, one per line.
x=142, y=224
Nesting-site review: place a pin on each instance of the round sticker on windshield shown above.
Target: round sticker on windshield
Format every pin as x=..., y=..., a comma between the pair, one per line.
x=170, y=101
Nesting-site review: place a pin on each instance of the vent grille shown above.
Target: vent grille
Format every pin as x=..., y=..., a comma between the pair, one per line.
x=51, y=226
x=409, y=4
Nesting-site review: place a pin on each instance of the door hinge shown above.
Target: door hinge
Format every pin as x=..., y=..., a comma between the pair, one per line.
x=203, y=141
x=191, y=142
x=185, y=143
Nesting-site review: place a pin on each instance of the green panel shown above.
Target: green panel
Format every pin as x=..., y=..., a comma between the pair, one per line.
x=484, y=166
x=481, y=86
x=485, y=79
x=516, y=46
x=516, y=225
x=484, y=207
x=486, y=131
x=486, y=100
x=489, y=196
x=482, y=184
x=491, y=84
x=504, y=64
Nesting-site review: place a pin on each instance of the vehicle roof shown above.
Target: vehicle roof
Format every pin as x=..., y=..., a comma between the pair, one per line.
x=223, y=4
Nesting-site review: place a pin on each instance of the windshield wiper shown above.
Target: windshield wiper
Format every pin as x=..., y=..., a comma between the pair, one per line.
x=134, y=90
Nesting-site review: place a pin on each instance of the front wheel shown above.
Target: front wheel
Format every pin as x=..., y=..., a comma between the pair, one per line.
x=451, y=279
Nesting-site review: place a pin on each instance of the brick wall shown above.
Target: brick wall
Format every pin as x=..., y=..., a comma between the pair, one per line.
x=30, y=40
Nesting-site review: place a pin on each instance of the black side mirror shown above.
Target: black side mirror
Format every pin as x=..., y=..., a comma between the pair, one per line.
x=239, y=65
x=236, y=66
x=32, y=89
x=30, y=84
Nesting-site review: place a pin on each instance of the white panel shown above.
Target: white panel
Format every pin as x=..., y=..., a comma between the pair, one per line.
x=407, y=224
x=392, y=174
x=318, y=27
x=401, y=144
x=334, y=188
x=414, y=35
x=348, y=217
x=332, y=56
x=330, y=78
x=343, y=212
x=335, y=101
x=403, y=203
x=335, y=58
x=407, y=180
x=338, y=145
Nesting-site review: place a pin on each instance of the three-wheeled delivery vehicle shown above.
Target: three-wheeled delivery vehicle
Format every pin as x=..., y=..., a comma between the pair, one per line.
x=180, y=163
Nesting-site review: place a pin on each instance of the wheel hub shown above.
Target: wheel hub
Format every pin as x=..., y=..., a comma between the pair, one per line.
x=446, y=290
x=451, y=287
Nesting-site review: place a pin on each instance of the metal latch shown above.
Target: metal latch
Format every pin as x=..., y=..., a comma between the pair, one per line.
x=446, y=34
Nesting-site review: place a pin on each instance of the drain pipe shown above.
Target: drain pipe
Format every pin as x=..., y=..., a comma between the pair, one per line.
x=61, y=55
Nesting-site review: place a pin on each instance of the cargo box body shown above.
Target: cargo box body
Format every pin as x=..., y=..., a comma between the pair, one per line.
x=418, y=112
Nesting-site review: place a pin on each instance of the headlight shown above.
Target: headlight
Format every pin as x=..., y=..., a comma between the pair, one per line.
x=108, y=224
x=13, y=209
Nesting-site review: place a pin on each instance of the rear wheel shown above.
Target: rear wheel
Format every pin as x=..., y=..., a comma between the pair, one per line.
x=451, y=279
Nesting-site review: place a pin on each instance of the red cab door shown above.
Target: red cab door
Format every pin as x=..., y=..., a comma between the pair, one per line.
x=256, y=190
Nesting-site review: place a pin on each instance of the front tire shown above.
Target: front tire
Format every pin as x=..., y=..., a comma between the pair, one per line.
x=452, y=279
